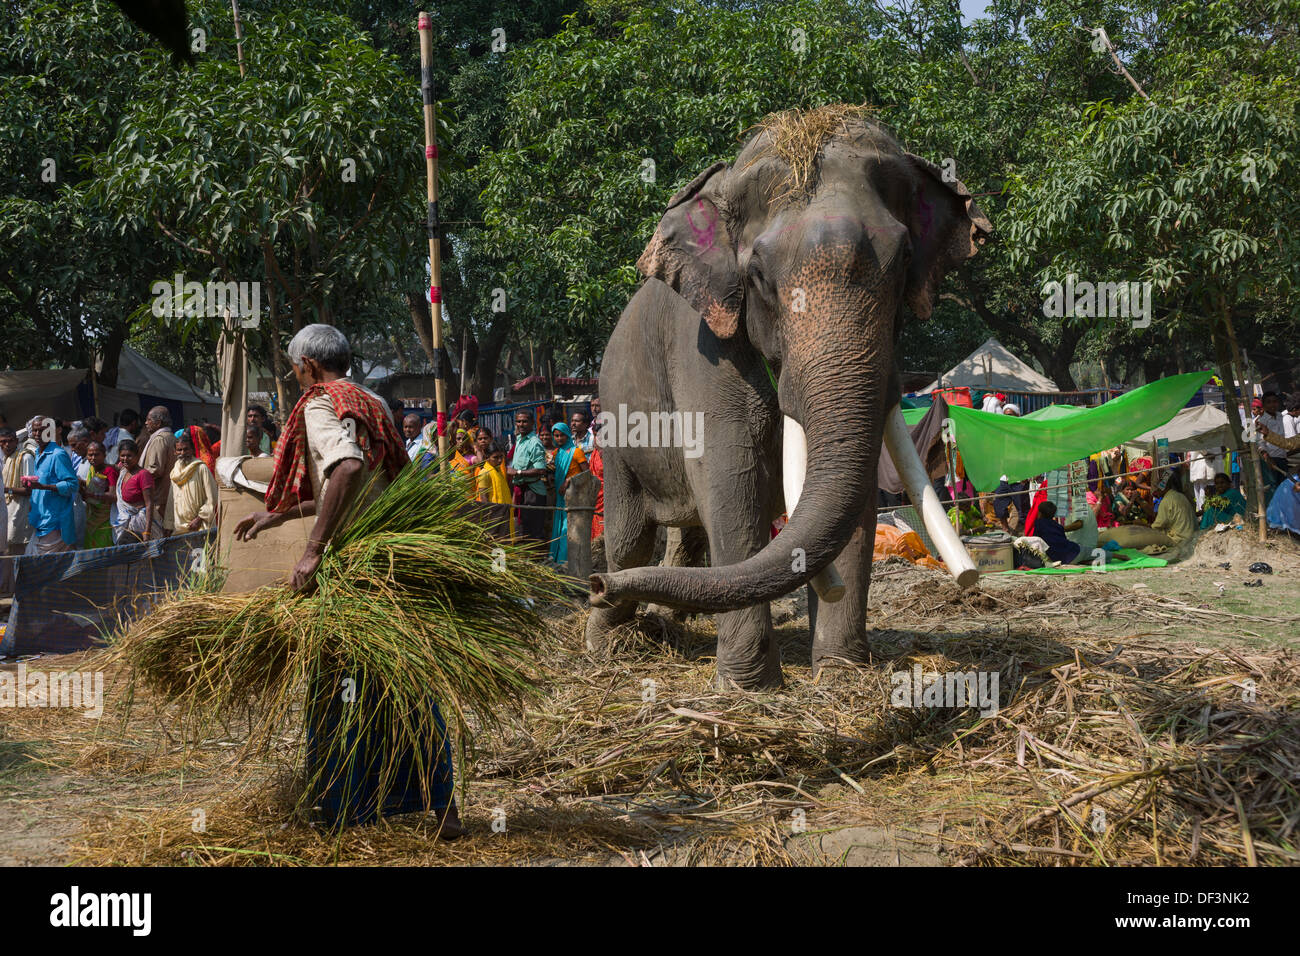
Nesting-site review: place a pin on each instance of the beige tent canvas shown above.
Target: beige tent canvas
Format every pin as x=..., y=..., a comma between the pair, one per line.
x=138, y=376
x=40, y=392
x=1199, y=428
x=993, y=366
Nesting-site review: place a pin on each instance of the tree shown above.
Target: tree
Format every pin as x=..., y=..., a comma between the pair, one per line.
x=620, y=109
x=297, y=176
x=1190, y=186
x=70, y=280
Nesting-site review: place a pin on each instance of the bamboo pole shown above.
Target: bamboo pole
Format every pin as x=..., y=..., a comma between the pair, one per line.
x=239, y=37
x=425, y=28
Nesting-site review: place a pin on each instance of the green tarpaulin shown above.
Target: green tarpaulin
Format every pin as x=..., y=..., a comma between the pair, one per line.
x=996, y=445
x=1054, y=413
x=1136, y=561
x=914, y=415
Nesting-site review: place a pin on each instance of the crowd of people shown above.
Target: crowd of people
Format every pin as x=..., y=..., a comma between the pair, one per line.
x=1129, y=501
x=522, y=478
x=72, y=485
x=83, y=484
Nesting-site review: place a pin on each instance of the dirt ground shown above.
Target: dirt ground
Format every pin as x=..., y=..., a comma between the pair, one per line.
x=635, y=759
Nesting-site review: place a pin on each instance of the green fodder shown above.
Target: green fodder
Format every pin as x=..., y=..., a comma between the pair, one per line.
x=416, y=606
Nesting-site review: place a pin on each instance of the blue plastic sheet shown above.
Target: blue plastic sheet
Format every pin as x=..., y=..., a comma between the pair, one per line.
x=70, y=601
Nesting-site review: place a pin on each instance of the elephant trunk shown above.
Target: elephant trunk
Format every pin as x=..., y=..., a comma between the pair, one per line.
x=833, y=497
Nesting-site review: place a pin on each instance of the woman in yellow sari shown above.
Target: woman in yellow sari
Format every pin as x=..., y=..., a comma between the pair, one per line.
x=493, y=489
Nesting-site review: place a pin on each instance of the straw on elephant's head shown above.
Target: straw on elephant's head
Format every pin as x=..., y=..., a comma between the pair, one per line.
x=796, y=137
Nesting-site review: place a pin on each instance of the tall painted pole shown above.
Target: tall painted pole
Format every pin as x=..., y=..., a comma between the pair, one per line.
x=434, y=230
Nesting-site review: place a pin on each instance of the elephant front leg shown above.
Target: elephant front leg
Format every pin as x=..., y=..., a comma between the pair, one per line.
x=748, y=654
x=840, y=628
x=629, y=543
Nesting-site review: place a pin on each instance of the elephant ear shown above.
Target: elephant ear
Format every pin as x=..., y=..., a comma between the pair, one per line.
x=946, y=227
x=693, y=252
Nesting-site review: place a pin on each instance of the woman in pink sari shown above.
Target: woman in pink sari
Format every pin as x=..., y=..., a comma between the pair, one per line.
x=134, y=497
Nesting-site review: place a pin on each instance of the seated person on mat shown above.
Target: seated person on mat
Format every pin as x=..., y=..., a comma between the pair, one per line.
x=1216, y=512
x=1174, y=524
x=1059, y=547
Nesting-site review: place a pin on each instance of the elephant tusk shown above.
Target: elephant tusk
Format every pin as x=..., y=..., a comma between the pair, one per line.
x=926, y=502
x=794, y=469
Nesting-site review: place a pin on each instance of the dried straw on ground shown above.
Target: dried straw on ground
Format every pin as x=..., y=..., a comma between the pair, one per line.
x=417, y=606
x=1104, y=752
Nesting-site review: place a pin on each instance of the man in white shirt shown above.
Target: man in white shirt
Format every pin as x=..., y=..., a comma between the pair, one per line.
x=411, y=432
x=992, y=403
x=19, y=462
x=1273, y=458
x=583, y=436
x=1202, y=466
x=1291, y=417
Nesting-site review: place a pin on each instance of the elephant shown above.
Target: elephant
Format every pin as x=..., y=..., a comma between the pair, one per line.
x=773, y=298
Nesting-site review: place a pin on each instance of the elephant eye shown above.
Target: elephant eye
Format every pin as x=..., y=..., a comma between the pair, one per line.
x=755, y=269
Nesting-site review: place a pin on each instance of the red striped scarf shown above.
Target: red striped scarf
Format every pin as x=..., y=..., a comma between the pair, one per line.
x=291, y=482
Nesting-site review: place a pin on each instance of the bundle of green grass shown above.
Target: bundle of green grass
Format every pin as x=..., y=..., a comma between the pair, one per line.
x=417, y=607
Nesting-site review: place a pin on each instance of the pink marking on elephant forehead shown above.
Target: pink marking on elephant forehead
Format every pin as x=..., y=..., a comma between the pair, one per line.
x=704, y=235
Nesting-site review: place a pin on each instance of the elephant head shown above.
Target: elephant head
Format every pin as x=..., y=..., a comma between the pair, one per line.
x=808, y=246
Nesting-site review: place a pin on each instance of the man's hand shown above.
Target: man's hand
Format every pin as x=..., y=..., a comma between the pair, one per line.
x=251, y=525
x=304, y=572
x=194, y=525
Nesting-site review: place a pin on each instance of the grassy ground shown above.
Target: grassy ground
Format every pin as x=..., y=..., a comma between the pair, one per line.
x=1116, y=684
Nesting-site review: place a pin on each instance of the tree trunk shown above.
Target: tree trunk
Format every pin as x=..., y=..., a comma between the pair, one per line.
x=1231, y=396
x=403, y=364
x=422, y=322
x=112, y=354
x=484, y=378
x=285, y=392
x=1260, y=504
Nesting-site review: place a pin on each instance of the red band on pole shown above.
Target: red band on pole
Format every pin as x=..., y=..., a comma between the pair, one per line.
x=442, y=423
x=424, y=23
x=431, y=152
x=435, y=294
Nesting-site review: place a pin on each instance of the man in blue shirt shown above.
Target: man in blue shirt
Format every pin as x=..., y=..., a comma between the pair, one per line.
x=527, y=470
x=53, y=488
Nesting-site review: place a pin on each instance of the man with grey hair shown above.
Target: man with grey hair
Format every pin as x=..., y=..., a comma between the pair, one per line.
x=158, y=458
x=337, y=437
x=339, y=440
x=78, y=439
x=78, y=443
x=411, y=426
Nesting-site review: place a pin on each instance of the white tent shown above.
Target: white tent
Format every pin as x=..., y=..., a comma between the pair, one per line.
x=1199, y=428
x=139, y=379
x=993, y=366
